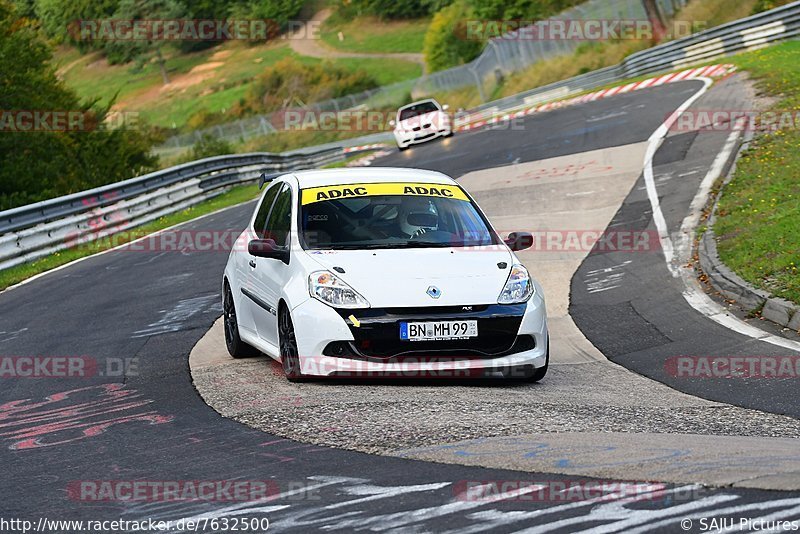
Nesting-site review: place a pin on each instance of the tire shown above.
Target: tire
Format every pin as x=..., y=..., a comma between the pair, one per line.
x=539, y=373
x=290, y=356
x=402, y=148
x=236, y=347
x=449, y=134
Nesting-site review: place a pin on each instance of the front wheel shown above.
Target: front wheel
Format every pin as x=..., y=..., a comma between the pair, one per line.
x=539, y=373
x=236, y=347
x=290, y=356
x=402, y=148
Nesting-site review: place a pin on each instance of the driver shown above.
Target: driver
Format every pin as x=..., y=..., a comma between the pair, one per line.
x=417, y=216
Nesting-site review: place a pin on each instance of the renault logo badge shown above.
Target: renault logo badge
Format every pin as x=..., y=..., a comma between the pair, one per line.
x=434, y=292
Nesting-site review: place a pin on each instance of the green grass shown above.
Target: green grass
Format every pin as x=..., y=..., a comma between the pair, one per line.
x=218, y=86
x=235, y=195
x=385, y=71
x=370, y=35
x=758, y=222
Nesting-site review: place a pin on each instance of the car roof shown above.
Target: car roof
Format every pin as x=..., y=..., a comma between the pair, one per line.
x=419, y=102
x=368, y=175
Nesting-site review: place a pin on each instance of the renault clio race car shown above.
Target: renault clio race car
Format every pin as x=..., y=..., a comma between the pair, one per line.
x=381, y=271
x=421, y=121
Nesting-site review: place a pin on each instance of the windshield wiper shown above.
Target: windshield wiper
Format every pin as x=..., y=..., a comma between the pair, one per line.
x=398, y=245
x=354, y=246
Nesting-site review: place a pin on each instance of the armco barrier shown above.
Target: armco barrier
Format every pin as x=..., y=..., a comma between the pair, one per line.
x=33, y=231
x=36, y=230
x=749, y=33
x=505, y=56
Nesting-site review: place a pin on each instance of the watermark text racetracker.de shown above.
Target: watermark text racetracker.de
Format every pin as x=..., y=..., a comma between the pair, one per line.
x=455, y=366
x=562, y=491
x=43, y=367
x=64, y=120
x=182, y=29
x=734, y=120
x=574, y=29
x=190, y=490
x=223, y=241
x=766, y=367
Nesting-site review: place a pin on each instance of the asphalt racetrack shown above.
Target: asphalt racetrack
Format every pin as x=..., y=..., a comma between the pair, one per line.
x=617, y=319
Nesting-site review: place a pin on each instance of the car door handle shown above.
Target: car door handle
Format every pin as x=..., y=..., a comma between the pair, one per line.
x=252, y=263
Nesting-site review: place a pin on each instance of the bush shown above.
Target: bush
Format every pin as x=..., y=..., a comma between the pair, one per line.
x=204, y=118
x=209, y=146
x=58, y=18
x=390, y=9
x=521, y=9
x=279, y=12
x=289, y=83
x=446, y=43
x=766, y=5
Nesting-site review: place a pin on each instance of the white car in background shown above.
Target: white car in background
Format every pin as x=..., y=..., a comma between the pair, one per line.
x=420, y=122
x=374, y=270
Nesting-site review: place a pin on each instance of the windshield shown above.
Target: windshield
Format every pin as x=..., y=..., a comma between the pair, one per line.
x=417, y=109
x=358, y=216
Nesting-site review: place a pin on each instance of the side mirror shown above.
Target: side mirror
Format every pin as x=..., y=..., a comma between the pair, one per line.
x=445, y=107
x=267, y=248
x=266, y=178
x=519, y=240
x=392, y=122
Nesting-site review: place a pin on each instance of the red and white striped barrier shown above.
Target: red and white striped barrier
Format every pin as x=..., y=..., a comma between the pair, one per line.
x=367, y=160
x=711, y=71
x=373, y=146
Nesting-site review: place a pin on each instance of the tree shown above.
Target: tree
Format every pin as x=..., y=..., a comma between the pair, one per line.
x=656, y=19
x=447, y=43
x=58, y=16
x=391, y=9
x=278, y=12
x=520, y=9
x=45, y=163
x=145, y=50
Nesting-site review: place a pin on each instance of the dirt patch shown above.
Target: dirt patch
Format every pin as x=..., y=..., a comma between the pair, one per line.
x=211, y=65
x=221, y=54
x=197, y=75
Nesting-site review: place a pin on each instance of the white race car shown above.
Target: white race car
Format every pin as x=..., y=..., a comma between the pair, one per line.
x=381, y=271
x=420, y=122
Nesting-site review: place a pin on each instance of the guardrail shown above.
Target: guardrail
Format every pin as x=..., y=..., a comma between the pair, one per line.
x=33, y=231
x=506, y=55
x=500, y=55
x=750, y=33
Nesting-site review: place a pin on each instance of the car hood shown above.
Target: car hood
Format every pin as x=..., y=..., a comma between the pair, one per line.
x=425, y=118
x=400, y=278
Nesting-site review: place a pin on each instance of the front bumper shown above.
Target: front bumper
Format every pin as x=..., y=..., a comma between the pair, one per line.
x=407, y=138
x=330, y=343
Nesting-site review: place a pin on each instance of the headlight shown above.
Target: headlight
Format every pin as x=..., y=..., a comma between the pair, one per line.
x=325, y=286
x=519, y=287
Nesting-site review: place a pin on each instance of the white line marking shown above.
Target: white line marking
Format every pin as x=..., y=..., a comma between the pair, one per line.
x=580, y=194
x=617, y=512
x=731, y=511
x=693, y=293
x=654, y=142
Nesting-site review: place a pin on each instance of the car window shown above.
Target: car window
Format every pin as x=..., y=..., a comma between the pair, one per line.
x=263, y=210
x=426, y=216
x=280, y=218
x=417, y=109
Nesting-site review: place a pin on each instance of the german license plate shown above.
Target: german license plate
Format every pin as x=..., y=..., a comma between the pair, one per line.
x=438, y=330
